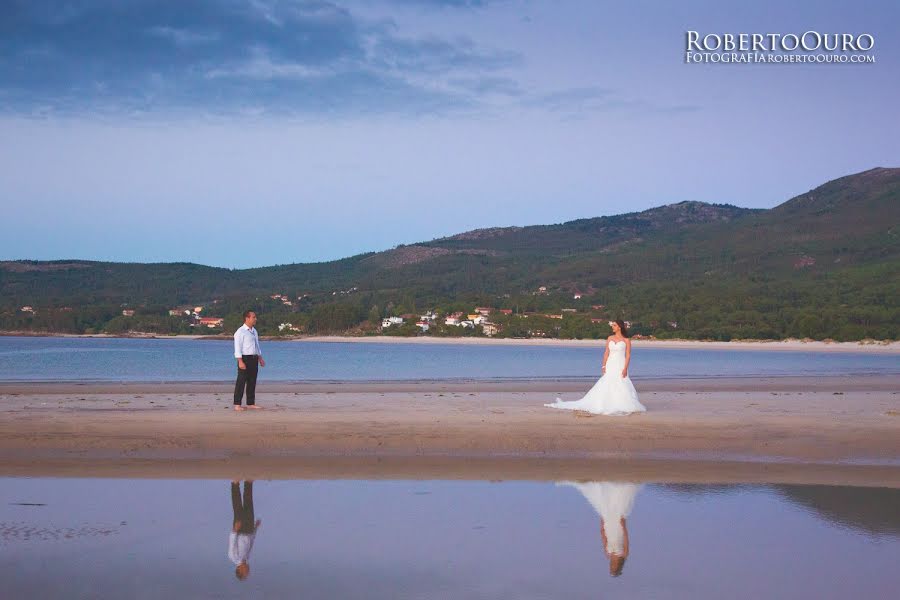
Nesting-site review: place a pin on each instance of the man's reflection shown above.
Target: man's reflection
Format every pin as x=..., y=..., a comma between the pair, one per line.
x=243, y=529
x=613, y=501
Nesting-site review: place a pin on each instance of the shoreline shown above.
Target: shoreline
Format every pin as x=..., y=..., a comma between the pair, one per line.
x=788, y=345
x=745, y=384
x=832, y=430
x=654, y=471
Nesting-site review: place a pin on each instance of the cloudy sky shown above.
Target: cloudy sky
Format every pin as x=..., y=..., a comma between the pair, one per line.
x=245, y=133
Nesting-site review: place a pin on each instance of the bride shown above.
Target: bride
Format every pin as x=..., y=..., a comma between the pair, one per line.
x=613, y=394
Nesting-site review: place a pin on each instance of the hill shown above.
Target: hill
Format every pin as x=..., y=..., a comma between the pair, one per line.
x=822, y=264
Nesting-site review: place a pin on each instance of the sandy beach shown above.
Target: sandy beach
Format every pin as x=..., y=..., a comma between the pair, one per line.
x=778, y=430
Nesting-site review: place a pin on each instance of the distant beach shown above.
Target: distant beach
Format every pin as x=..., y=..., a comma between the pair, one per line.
x=769, y=345
x=789, y=345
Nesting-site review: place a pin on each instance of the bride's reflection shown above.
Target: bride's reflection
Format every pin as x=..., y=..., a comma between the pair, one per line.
x=243, y=528
x=613, y=501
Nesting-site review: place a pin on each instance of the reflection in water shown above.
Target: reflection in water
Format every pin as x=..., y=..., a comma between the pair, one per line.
x=613, y=501
x=243, y=528
x=869, y=509
x=873, y=510
x=383, y=540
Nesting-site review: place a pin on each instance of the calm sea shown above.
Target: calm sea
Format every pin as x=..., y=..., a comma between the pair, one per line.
x=155, y=360
x=94, y=538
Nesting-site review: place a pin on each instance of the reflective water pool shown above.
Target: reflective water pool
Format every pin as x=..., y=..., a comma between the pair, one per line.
x=83, y=538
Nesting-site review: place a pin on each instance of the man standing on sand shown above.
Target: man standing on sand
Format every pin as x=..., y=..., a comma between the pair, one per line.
x=249, y=360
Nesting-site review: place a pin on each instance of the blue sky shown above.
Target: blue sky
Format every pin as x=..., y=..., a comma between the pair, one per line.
x=249, y=133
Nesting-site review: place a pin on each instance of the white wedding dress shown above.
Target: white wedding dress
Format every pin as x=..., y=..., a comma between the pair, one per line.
x=612, y=500
x=612, y=394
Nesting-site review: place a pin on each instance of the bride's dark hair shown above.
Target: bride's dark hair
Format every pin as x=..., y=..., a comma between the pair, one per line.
x=622, y=327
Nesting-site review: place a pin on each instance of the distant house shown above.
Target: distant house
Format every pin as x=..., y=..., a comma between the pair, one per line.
x=175, y=312
x=506, y=311
x=198, y=309
x=673, y=324
x=429, y=316
x=452, y=321
x=472, y=317
x=479, y=320
x=542, y=289
x=390, y=321
x=423, y=325
x=577, y=296
x=598, y=306
x=467, y=324
x=490, y=328
x=275, y=296
x=569, y=310
x=212, y=322
x=288, y=327
x=128, y=312
x=27, y=309
x=554, y=316
x=484, y=310
x=287, y=302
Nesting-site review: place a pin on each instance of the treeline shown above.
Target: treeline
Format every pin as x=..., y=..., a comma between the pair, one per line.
x=852, y=304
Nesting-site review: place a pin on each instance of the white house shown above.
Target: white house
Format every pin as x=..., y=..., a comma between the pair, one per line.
x=465, y=324
x=452, y=321
x=391, y=321
x=423, y=325
x=479, y=320
x=490, y=328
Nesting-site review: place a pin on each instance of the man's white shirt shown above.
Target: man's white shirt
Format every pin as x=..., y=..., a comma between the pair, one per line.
x=246, y=341
x=239, y=546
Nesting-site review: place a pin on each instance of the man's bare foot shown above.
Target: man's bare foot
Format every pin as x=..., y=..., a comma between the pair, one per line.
x=236, y=407
x=254, y=406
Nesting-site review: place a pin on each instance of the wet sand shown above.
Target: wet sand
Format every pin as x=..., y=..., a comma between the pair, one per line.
x=827, y=430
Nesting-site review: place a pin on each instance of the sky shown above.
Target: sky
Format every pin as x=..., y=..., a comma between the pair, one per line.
x=244, y=133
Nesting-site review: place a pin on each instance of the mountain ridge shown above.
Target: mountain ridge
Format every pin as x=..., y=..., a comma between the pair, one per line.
x=832, y=248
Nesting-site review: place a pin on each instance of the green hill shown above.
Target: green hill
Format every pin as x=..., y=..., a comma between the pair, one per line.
x=823, y=264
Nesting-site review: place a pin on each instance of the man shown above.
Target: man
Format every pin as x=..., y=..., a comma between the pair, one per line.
x=249, y=360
